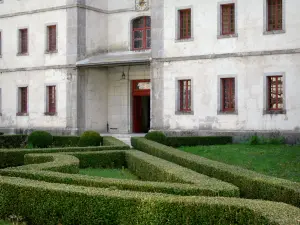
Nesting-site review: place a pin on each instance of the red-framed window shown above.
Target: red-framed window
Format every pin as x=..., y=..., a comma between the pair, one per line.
x=23, y=94
x=0, y=43
x=23, y=41
x=275, y=93
x=228, y=94
x=141, y=33
x=51, y=38
x=51, y=99
x=228, y=19
x=185, y=95
x=274, y=15
x=185, y=24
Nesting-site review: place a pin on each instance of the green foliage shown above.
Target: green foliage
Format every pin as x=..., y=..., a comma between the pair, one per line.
x=111, y=141
x=65, y=141
x=90, y=138
x=109, y=173
x=40, y=139
x=157, y=136
x=12, y=141
x=194, y=141
x=254, y=140
x=1, y=133
x=251, y=184
x=51, y=203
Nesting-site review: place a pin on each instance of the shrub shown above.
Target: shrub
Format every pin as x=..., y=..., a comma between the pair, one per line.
x=251, y=184
x=157, y=136
x=49, y=203
x=110, y=141
x=254, y=140
x=65, y=141
x=1, y=133
x=90, y=138
x=12, y=141
x=40, y=139
x=194, y=141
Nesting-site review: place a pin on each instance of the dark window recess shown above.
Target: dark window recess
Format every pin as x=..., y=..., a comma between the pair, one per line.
x=23, y=100
x=275, y=93
x=52, y=38
x=23, y=35
x=51, y=99
x=274, y=15
x=228, y=94
x=228, y=19
x=141, y=33
x=185, y=24
x=185, y=95
x=0, y=43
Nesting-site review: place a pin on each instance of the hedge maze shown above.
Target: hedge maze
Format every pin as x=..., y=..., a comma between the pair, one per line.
x=44, y=187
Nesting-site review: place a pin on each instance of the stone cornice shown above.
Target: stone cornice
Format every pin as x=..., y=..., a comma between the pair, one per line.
x=53, y=67
x=229, y=55
x=66, y=7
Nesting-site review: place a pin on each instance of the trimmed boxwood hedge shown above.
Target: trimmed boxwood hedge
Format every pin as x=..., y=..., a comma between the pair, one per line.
x=161, y=138
x=48, y=204
x=145, y=166
x=65, y=141
x=15, y=157
x=251, y=184
x=12, y=141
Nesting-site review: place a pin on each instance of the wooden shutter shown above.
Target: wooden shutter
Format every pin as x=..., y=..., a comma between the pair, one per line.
x=23, y=93
x=228, y=94
x=23, y=41
x=51, y=99
x=228, y=19
x=274, y=15
x=52, y=38
x=185, y=23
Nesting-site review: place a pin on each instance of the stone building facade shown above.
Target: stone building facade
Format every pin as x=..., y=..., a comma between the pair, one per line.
x=133, y=65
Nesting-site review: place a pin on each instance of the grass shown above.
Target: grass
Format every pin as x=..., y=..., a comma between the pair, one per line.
x=5, y=223
x=109, y=173
x=275, y=160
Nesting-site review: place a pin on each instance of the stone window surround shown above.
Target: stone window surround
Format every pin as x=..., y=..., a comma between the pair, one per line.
x=47, y=113
x=220, y=94
x=265, y=13
x=265, y=93
x=177, y=24
x=19, y=41
x=177, y=96
x=219, y=19
x=46, y=38
x=18, y=102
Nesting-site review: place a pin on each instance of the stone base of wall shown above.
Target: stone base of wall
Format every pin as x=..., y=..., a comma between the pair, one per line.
x=291, y=137
x=53, y=131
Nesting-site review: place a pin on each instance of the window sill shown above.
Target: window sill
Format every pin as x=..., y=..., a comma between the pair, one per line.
x=50, y=114
x=50, y=52
x=22, y=114
x=22, y=54
x=274, y=112
x=222, y=36
x=184, y=113
x=274, y=32
x=141, y=50
x=227, y=113
x=184, y=40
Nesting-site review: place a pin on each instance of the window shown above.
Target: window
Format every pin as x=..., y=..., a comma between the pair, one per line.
x=141, y=33
x=185, y=24
x=275, y=93
x=228, y=19
x=274, y=15
x=23, y=41
x=51, y=38
x=23, y=100
x=228, y=94
x=0, y=43
x=51, y=100
x=185, y=96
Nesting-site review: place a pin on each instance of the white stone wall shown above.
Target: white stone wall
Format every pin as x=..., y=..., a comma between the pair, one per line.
x=250, y=27
x=249, y=72
x=36, y=81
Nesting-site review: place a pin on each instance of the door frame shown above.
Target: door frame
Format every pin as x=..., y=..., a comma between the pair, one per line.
x=138, y=92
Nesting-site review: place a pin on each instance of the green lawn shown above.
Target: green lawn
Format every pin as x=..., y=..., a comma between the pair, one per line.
x=275, y=160
x=110, y=173
x=5, y=223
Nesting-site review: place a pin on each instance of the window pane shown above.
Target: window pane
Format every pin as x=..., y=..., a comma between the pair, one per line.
x=148, y=21
x=138, y=23
x=275, y=93
x=138, y=44
x=138, y=34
